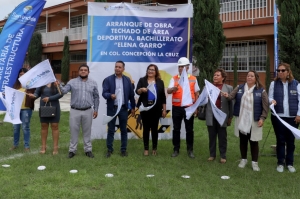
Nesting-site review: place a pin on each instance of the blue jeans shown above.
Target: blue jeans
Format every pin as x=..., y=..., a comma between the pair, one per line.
x=284, y=138
x=25, y=116
x=123, y=115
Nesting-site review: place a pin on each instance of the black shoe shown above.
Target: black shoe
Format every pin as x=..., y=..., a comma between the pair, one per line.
x=124, y=154
x=71, y=154
x=89, y=154
x=108, y=154
x=175, y=154
x=191, y=154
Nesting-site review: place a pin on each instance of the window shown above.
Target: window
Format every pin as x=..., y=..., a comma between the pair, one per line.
x=144, y=2
x=239, y=5
x=251, y=55
x=78, y=21
x=41, y=27
x=78, y=57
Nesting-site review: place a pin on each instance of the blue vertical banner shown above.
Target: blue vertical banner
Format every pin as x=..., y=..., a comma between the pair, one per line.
x=275, y=38
x=15, y=38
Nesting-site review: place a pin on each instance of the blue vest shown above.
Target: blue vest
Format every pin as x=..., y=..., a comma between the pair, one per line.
x=257, y=102
x=292, y=97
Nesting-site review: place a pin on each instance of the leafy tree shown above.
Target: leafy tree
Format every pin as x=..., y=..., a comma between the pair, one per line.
x=268, y=74
x=289, y=34
x=65, y=62
x=208, y=39
x=235, y=73
x=35, y=49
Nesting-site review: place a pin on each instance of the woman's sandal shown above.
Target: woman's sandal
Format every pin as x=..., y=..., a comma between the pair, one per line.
x=211, y=159
x=146, y=153
x=154, y=152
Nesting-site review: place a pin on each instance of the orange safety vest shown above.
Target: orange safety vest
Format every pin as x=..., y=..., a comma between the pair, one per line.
x=177, y=96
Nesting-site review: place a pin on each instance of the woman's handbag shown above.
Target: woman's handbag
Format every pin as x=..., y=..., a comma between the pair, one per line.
x=202, y=112
x=47, y=111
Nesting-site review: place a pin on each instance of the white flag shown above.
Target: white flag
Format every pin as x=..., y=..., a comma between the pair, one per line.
x=212, y=93
x=294, y=130
x=202, y=100
x=186, y=92
x=14, y=99
x=151, y=88
x=38, y=76
x=107, y=118
x=2, y=99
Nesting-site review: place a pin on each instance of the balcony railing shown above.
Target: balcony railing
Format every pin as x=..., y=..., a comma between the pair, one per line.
x=246, y=10
x=231, y=11
x=79, y=33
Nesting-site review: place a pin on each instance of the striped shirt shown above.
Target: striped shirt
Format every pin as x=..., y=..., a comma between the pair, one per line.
x=84, y=94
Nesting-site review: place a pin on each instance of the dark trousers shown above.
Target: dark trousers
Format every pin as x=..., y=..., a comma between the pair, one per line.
x=284, y=137
x=178, y=114
x=217, y=130
x=123, y=116
x=244, y=146
x=150, y=122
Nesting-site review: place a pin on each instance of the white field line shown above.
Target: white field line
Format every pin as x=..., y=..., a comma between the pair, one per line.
x=18, y=155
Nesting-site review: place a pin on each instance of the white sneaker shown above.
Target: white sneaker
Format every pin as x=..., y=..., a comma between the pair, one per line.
x=243, y=163
x=255, y=166
x=291, y=169
x=280, y=168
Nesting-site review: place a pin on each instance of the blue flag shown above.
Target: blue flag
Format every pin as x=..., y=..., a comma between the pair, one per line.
x=15, y=38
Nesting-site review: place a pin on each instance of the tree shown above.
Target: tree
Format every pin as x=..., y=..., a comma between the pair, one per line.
x=235, y=73
x=35, y=49
x=289, y=34
x=65, y=62
x=208, y=38
x=268, y=74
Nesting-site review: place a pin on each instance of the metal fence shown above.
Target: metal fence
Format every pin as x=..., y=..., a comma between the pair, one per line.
x=238, y=10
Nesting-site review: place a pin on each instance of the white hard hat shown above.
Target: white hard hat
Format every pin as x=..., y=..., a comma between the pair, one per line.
x=183, y=61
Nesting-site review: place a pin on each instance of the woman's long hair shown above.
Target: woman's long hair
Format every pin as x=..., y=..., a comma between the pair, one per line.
x=287, y=67
x=157, y=74
x=17, y=84
x=258, y=84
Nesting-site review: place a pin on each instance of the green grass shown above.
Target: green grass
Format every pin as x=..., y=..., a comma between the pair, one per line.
x=23, y=180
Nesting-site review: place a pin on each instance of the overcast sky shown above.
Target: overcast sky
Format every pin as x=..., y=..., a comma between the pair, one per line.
x=7, y=6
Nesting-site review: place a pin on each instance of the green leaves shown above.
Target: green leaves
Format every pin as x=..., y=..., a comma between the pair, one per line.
x=65, y=62
x=289, y=34
x=35, y=49
x=208, y=38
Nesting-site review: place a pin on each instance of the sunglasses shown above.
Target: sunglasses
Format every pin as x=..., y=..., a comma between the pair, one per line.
x=282, y=70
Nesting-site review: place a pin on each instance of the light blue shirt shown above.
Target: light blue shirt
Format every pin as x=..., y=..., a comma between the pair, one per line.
x=119, y=85
x=286, y=111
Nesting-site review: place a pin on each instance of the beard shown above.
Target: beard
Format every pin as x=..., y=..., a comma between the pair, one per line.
x=83, y=77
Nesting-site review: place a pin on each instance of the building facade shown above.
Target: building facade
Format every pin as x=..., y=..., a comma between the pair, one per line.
x=248, y=27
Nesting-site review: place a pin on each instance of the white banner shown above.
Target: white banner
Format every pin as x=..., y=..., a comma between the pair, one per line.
x=151, y=88
x=202, y=100
x=14, y=99
x=107, y=118
x=139, y=35
x=295, y=131
x=213, y=93
x=38, y=76
x=185, y=85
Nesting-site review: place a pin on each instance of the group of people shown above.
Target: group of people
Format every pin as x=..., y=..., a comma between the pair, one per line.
x=248, y=102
